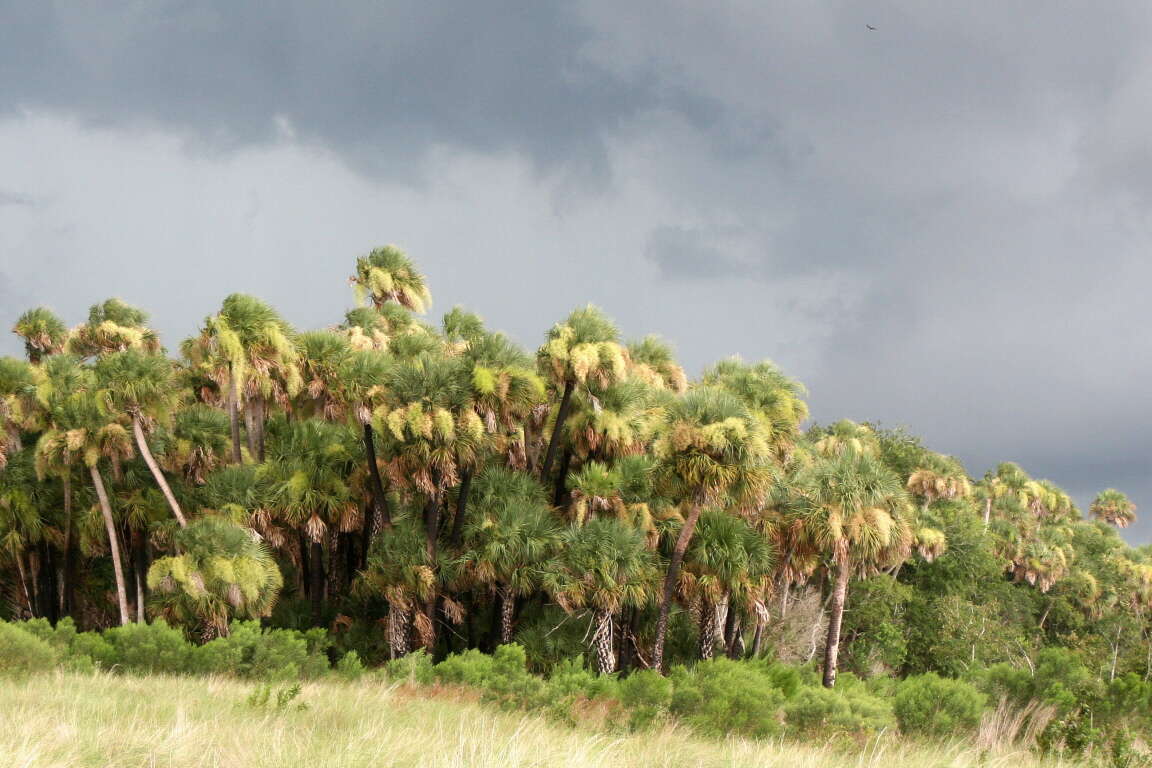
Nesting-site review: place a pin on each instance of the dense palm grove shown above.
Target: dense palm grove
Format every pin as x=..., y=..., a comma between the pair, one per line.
x=408, y=486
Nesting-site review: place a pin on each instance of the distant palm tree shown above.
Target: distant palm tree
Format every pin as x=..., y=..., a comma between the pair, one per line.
x=1114, y=508
x=43, y=333
x=113, y=326
x=387, y=274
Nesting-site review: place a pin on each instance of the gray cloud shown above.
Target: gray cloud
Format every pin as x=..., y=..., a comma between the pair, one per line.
x=940, y=223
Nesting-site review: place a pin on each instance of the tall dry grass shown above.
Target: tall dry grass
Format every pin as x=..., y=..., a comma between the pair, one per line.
x=66, y=720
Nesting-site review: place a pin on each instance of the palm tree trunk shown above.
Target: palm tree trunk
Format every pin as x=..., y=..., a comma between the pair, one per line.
x=734, y=634
x=670, y=581
x=234, y=416
x=259, y=417
x=140, y=571
x=316, y=579
x=561, y=416
x=709, y=629
x=758, y=637
x=457, y=535
x=507, y=614
x=602, y=646
x=68, y=570
x=835, y=616
x=113, y=543
x=560, y=492
x=20, y=570
x=382, y=516
x=399, y=630
x=987, y=510
x=250, y=426
x=161, y=481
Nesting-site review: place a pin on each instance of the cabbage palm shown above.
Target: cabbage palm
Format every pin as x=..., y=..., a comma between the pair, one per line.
x=43, y=333
x=505, y=545
x=361, y=380
x=196, y=443
x=939, y=477
x=584, y=349
x=221, y=572
x=113, y=326
x=842, y=437
x=710, y=449
x=603, y=566
x=775, y=399
x=854, y=510
x=17, y=404
x=388, y=275
x=652, y=361
x=142, y=386
x=1114, y=508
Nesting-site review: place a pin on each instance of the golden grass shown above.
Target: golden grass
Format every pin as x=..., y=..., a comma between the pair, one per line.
x=65, y=720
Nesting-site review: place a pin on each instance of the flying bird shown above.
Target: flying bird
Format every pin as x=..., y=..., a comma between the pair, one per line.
x=870, y=27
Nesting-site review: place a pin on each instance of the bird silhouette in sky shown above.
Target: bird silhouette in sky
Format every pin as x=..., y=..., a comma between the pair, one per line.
x=870, y=27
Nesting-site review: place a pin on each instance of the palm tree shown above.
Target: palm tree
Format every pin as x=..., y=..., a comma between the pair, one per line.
x=388, y=275
x=142, y=387
x=1114, y=508
x=222, y=572
x=196, y=443
x=361, y=381
x=17, y=404
x=43, y=332
x=505, y=544
x=113, y=326
x=583, y=349
x=603, y=566
x=939, y=477
x=247, y=349
x=775, y=399
x=710, y=446
x=652, y=361
x=855, y=510
x=842, y=437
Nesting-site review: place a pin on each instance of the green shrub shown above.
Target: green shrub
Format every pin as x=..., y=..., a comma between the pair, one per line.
x=850, y=710
x=512, y=685
x=647, y=694
x=416, y=667
x=150, y=648
x=23, y=653
x=936, y=706
x=570, y=679
x=472, y=667
x=250, y=651
x=350, y=667
x=93, y=647
x=722, y=696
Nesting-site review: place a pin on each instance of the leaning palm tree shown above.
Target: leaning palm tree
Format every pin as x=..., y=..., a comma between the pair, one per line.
x=603, y=566
x=141, y=386
x=1114, y=508
x=584, y=349
x=505, y=545
x=855, y=510
x=710, y=449
x=388, y=275
x=43, y=333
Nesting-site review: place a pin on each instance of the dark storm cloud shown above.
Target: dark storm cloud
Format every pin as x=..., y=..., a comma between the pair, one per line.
x=939, y=223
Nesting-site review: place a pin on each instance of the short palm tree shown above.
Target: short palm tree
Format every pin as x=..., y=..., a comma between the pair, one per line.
x=43, y=333
x=855, y=510
x=222, y=572
x=603, y=566
x=710, y=447
x=388, y=275
x=400, y=570
x=142, y=386
x=196, y=443
x=1114, y=508
x=505, y=544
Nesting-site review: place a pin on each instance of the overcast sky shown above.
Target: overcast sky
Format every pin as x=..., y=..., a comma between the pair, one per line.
x=941, y=223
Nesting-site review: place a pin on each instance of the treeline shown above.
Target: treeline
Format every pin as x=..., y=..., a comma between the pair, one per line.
x=408, y=486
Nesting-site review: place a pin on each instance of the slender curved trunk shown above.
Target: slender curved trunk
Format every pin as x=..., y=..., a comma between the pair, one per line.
x=560, y=492
x=234, y=416
x=250, y=426
x=20, y=570
x=670, y=580
x=758, y=637
x=557, y=428
x=381, y=515
x=987, y=510
x=161, y=481
x=735, y=641
x=603, y=647
x=457, y=536
x=68, y=569
x=140, y=572
x=835, y=617
x=259, y=417
x=113, y=543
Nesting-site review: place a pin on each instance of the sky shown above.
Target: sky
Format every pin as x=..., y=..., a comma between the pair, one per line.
x=940, y=223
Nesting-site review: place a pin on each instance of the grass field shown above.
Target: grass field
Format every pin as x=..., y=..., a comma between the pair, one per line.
x=102, y=720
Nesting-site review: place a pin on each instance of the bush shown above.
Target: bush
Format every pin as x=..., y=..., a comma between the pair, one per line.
x=512, y=685
x=263, y=654
x=648, y=695
x=472, y=667
x=722, y=696
x=850, y=710
x=150, y=648
x=350, y=667
x=23, y=653
x=416, y=667
x=935, y=706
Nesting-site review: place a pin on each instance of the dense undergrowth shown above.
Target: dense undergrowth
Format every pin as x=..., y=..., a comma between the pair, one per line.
x=1055, y=709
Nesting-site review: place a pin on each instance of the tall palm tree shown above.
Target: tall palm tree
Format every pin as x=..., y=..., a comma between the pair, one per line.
x=842, y=437
x=1114, y=508
x=141, y=386
x=400, y=570
x=505, y=545
x=249, y=351
x=652, y=361
x=710, y=446
x=43, y=333
x=17, y=404
x=388, y=275
x=362, y=379
x=855, y=510
x=583, y=349
x=775, y=399
x=113, y=326
x=603, y=566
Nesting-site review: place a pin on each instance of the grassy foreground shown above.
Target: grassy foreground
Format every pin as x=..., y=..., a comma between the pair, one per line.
x=105, y=720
